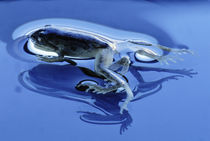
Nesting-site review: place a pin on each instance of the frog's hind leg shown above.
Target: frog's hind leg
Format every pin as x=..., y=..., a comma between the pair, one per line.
x=173, y=50
x=103, y=61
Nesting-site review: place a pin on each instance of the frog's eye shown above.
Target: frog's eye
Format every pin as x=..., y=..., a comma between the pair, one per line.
x=39, y=39
x=42, y=32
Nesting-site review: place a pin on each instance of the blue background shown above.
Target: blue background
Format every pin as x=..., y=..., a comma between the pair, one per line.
x=180, y=111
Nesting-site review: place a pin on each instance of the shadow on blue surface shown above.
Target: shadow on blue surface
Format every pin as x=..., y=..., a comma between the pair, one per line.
x=61, y=80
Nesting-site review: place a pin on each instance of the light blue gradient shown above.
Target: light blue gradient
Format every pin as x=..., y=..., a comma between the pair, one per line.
x=179, y=110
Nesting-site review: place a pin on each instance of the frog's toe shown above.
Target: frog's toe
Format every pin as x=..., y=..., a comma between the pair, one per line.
x=39, y=57
x=87, y=90
x=100, y=92
x=90, y=87
x=43, y=58
x=182, y=51
x=97, y=91
x=122, y=108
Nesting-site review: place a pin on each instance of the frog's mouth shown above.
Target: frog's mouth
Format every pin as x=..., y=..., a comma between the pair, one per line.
x=40, y=49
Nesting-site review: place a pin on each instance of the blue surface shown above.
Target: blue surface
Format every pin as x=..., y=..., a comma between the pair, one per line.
x=176, y=110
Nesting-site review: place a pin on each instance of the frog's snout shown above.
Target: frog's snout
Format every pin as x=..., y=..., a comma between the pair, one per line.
x=34, y=36
x=38, y=36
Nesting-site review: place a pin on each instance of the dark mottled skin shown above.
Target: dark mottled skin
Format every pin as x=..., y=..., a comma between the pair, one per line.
x=67, y=43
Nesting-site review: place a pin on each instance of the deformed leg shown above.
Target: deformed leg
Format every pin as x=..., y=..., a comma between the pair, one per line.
x=102, y=63
x=111, y=76
x=121, y=66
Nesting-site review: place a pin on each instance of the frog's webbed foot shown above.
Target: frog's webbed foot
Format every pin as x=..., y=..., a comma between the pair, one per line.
x=102, y=90
x=95, y=88
x=162, y=59
x=166, y=59
x=122, y=65
x=176, y=50
x=51, y=59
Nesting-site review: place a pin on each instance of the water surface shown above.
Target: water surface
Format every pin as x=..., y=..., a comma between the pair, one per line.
x=50, y=108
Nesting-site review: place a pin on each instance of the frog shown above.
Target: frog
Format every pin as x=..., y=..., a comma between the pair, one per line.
x=70, y=44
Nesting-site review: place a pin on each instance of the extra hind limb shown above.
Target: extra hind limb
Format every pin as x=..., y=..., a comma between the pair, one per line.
x=121, y=66
x=103, y=61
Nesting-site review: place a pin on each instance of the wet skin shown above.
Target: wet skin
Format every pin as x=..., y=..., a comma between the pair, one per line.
x=77, y=44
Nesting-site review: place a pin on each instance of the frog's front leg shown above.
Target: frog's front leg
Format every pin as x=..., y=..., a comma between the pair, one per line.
x=51, y=59
x=103, y=61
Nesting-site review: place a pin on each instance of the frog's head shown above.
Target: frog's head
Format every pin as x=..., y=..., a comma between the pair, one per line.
x=40, y=39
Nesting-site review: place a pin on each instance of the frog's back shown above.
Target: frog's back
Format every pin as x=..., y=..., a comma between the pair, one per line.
x=74, y=43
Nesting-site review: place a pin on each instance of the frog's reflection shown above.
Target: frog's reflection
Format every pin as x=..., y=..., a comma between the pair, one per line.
x=60, y=81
